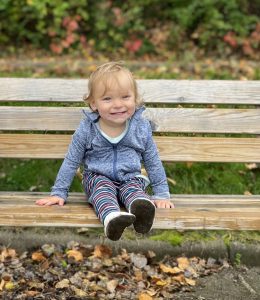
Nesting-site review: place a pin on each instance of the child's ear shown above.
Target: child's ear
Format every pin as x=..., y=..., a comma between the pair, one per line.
x=92, y=105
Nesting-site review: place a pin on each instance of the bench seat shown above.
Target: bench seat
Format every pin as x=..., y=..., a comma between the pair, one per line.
x=191, y=212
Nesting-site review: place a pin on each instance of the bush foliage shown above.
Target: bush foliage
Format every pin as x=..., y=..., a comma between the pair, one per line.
x=134, y=27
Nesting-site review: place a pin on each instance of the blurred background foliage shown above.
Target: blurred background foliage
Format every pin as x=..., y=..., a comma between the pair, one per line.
x=133, y=28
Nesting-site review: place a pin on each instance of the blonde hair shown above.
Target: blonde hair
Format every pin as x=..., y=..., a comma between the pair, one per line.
x=104, y=73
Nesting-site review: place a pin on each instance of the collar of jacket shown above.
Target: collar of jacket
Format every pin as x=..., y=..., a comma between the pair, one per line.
x=94, y=116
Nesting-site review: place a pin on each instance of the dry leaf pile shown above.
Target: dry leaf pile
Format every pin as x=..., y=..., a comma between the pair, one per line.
x=81, y=271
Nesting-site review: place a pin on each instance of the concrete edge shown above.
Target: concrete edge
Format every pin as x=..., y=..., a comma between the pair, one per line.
x=32, y=238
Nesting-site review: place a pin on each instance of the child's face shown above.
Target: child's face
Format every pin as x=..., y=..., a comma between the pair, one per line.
x=116, y=103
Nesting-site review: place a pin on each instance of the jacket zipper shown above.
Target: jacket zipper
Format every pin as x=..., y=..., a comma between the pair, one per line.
x=115, y=162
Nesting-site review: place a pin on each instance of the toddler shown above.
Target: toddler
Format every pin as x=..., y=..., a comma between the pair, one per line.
x=112, y=141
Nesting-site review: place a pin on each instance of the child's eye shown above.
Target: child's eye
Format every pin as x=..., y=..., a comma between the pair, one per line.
x=126, y=96
x=106, y=98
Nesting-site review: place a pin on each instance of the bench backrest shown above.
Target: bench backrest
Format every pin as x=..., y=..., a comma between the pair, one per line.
x=197, y=120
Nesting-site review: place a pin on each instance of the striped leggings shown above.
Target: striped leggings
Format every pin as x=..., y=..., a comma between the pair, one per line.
x=106, y=195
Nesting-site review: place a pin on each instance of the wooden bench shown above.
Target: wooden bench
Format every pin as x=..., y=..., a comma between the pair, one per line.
x=198, y=121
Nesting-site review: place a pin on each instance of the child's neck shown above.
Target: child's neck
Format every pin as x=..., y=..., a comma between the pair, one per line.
x=111, y=130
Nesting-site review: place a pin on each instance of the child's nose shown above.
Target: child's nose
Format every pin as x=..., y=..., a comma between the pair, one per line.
x=117, y=102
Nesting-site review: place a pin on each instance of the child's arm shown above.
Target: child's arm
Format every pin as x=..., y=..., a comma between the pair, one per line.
x=156, y=174
x=68, y=168
x=50, y=200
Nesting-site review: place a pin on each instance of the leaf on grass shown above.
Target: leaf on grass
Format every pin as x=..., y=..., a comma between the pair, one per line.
x=102, y=251
x=38, y=256
x=247, y=193
x=77, y=255
x=172, y=181
x=251, y=166
x=170, y=270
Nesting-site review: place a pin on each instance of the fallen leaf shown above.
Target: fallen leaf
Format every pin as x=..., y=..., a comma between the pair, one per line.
x=251, y=166
x=77, y=255
x=138, y=275
x=180, y=279
x=2, y=284
x=65, y=283
x=44, y=265
x=139, y=260
x=111, y=285
x=102, y=251
x=170, y=270
x=247, y=193
x=38, y=256
x=48, y=249
x=161, y=283
x=31, y=293
x=36, y=285
x=79, y=292
x=191, y=282
x=9, y=285
x=172, y=181
x=189, y=164
x=183, y=262
x=7, y=254
x=144, y=296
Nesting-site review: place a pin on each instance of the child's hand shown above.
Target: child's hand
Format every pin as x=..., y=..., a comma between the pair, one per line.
x=51, y=200
x=163, y=203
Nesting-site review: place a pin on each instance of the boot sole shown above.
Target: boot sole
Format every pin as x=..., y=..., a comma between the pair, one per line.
x=144, y=212
x=116, y=226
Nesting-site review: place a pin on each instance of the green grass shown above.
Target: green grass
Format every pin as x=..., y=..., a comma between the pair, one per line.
x=177, y=238
x=198, y=178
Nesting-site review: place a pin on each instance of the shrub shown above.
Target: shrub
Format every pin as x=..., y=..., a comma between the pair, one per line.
x=132, y=27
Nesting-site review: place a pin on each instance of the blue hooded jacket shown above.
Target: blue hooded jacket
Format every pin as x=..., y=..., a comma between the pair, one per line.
x=118, y=162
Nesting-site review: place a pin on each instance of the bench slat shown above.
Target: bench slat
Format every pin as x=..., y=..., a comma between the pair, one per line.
x=200, y=149
x=184, y=120
x=154, y=91
x=192, y=201
x=226, y=215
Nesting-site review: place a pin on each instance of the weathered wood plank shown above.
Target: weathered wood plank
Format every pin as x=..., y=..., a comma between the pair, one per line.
x=181, y=120
x=154, y=91
x=234, y=202
x=74, y=216
x=200, y=149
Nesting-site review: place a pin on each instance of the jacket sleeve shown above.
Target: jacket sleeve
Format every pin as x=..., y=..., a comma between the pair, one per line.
x=155, y=169
x=71, y=162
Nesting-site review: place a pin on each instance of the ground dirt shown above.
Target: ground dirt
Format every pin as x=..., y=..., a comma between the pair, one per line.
x=230, y=284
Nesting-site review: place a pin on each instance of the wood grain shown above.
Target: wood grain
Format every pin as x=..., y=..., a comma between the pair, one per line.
x=152, y=91
x=181, y=120
x=222, y=212
x=200, y=149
